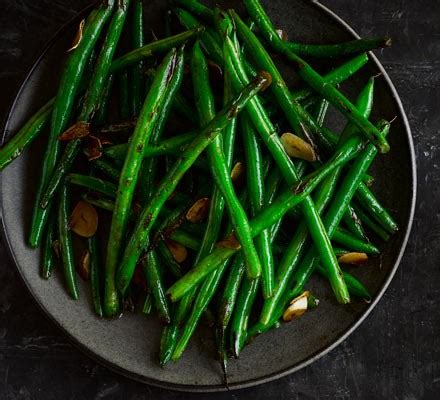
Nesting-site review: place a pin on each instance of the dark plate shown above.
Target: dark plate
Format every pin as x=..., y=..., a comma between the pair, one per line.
x=130, y=345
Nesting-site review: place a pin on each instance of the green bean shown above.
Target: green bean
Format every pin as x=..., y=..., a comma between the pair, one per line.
x=340, y=49
x=95, y=274
x=92, y=97
x=107, y=168
x=353, y=224
x=156, y=47
x=62, y=168
x=266, y=130
x=380, y=214
x=353, y=243
x=295, y=249
x=104, y=103
x=371, y=224
x=219, y=167
x=48, y=253
x=198, y=9
x=229, y=295
x=129, y=176
x=336, y=75
x=147, y=304
x=65, y=240
x=149, y=214
x=255, y=186
x=185, y=239
x=173, y=146
x=168, y=260
x=124, y=95
x=355, y=287
x=62, y=109
x=151, y=268
x=26, y=135
x=137, y=41
x=209, y=42
x=338, y=207
x=149, y=166
x=316, y=81
x=168, y=343
x=92, y=183
x=203, y=298
x=184, y=108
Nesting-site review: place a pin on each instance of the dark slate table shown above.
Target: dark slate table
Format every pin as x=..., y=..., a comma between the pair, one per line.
x=394, y=355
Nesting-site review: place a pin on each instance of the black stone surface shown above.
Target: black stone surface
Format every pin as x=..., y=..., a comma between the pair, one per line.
x=396, y=352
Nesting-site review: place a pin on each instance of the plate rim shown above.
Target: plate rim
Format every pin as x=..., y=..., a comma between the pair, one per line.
x=270, y=377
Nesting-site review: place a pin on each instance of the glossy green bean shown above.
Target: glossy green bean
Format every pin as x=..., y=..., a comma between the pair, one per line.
x=168, y=341
x=169, y=183
x=168, y=260
x=336, y=75
x=130, y=173
x=366, y=197
x=212, y=48
x=353, y=243
x=149, y=166
x=66, y=246
x=295, y=249
x=156, y=47
x=203, y=298
x=255, y=187
x=108, y=168
x=353, y=224
x=371, y=224
x=95, y=274
x=151, y=269
x=147, y=304
x=198, y=9
x=103, y=106
x=172, y=146
x=95, y=184
x=62, y=109
x=137, y=41
x=26, y=135
x=48, y=261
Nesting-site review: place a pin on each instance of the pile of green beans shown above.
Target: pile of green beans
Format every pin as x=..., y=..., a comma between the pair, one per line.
x=217, y=216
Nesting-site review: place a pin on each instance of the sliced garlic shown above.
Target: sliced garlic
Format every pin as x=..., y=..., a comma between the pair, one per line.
x=297, y=307
x=198, y=211
x=297, y=147
x=179, y=252
x=237, y=172
x=353, y=258
x=78, y=36
x=84, y=219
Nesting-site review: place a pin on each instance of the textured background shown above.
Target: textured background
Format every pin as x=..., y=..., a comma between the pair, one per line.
x=396, y=352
